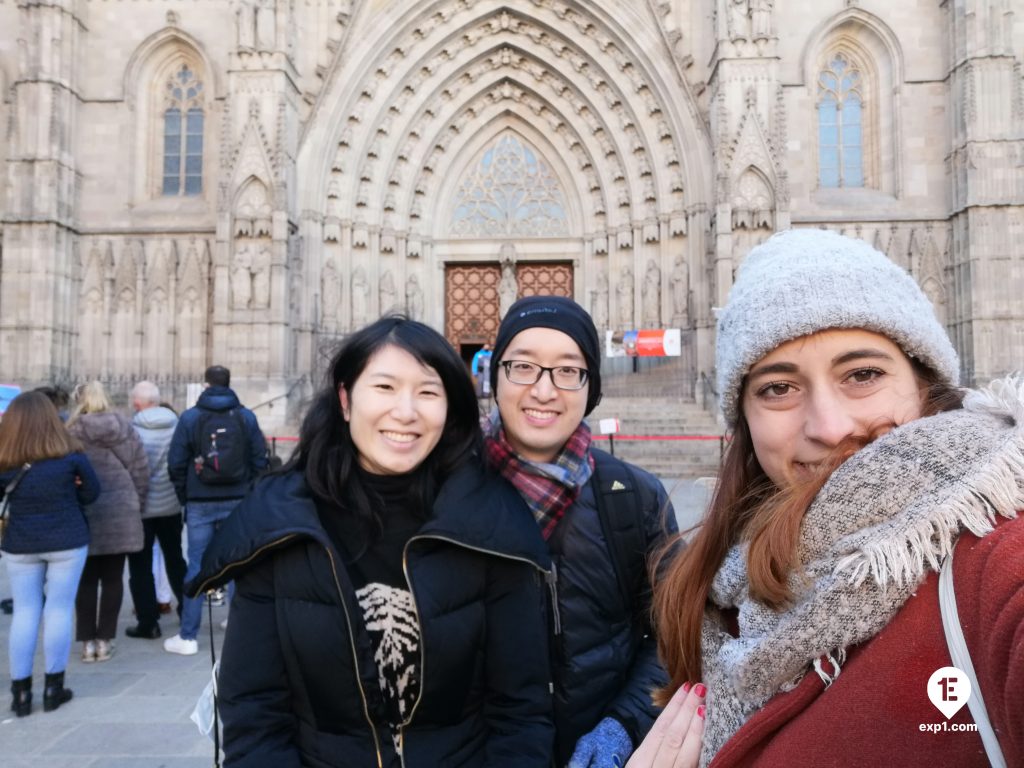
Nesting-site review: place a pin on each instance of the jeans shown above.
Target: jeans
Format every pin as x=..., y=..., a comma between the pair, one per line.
x=202, y=520
x=57, y=573
x=166, y=530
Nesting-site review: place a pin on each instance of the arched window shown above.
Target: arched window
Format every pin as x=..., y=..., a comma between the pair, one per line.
x=840, y=122
x=510, y=191
x=183, y=134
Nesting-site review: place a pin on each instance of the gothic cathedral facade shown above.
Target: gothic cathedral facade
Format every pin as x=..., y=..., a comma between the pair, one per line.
x=242, y=182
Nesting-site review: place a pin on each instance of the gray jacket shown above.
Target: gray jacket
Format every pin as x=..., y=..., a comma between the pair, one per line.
x=156, y=427
x=117, y=455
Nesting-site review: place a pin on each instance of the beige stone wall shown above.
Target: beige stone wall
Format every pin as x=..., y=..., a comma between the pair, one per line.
x=338, y=134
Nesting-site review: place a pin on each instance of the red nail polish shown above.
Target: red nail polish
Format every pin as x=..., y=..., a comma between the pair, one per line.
x=700, y=711
x=686, y=687
x=700, y=690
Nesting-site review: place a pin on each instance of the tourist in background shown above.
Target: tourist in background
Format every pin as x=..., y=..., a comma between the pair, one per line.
x=45, y=542
x=161, y=518
x=115, y=522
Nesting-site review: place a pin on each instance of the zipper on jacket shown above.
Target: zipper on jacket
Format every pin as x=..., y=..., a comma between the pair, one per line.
x=355, y=661
x=348, y=622
x=549, y=577
x=256, y=553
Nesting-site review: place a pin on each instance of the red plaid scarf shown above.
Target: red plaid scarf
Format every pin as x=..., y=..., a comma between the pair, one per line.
x=549, y=489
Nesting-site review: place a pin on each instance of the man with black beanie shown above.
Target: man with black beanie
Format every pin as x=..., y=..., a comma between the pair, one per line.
x=600, y=517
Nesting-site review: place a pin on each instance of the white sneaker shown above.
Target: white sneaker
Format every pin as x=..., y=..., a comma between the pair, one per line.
x=104, y=649
x=89, y=651
x=180, y=645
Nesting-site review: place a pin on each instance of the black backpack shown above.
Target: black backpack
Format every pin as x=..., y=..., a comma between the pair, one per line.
x=621, y=509
x=222, y=441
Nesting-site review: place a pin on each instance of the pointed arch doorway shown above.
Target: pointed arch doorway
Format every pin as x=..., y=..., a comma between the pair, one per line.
x=509, y=236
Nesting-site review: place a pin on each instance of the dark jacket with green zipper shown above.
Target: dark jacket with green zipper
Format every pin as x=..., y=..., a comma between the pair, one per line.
x=298, y=682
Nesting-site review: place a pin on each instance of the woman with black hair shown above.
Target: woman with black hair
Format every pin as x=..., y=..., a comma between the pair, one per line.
x=389, y=605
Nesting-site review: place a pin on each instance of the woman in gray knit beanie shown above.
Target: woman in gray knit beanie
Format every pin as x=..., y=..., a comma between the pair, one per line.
x=801, y=625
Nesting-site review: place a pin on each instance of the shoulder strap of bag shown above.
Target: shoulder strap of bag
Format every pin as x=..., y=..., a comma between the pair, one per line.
x=961, y=657
x=620, y=508
x=12, y=486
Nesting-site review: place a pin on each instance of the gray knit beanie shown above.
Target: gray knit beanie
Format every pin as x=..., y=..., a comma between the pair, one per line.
x=802, y=281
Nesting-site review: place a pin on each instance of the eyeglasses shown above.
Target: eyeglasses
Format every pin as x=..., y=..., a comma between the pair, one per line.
x=563, y=376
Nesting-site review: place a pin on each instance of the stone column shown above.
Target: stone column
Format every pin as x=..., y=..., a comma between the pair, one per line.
x=39, y=278
x=987, y=158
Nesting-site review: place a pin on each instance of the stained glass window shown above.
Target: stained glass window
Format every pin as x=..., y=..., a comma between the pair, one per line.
x=840, y=118
x=183, y=135
x=509, y=192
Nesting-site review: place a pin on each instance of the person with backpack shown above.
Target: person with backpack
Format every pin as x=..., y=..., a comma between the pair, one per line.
x=215, y=454
x=600, y=518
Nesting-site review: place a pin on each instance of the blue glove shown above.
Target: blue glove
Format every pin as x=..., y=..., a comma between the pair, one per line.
x=607, y=746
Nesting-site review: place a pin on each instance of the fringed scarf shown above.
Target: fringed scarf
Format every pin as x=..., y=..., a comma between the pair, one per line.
x=883, y=520
x=548, y=488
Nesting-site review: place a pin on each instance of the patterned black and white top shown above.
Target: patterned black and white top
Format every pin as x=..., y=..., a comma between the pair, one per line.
x=374, y=563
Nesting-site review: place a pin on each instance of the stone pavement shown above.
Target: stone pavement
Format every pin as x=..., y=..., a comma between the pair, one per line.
x=129, y=712
x=133, y=711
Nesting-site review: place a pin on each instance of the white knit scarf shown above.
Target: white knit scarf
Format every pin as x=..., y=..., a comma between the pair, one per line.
x=883, y=520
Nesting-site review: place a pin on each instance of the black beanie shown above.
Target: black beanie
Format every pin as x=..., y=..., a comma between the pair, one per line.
x=563, y=315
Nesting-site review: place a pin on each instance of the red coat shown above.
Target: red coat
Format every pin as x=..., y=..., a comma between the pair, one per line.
x=871, y=715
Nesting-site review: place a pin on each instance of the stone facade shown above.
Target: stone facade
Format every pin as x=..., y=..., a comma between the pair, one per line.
x=244, y=182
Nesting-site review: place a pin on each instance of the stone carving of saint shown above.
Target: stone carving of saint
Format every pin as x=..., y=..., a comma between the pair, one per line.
x=330, y=293
x=245, y=24
x=624, y=290
x=360, y=297
x=261, y=278
x=652, y=296
x=507, y=287
x=599, y=303
x=241, y=277
x=761, y=19
x=387, y=293
x=680, y=280
x=413, y=298
x=738, y=20
x=266, y=25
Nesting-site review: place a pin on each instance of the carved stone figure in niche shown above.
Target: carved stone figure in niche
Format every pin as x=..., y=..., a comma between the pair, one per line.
x=599, y=302
x=360, y=298
x=761, y=18
x=245, y=24
x=652, y=296
x=738, y=20
x=387, y=293
x=680, y=280
x=625, y=293
x=266, y=25
x=330, y=293
x=508, y=289
x=413, y=298
x=261, y=278
x=241, y=277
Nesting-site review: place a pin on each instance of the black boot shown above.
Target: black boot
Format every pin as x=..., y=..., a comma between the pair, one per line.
x=55, y=694
x=21, y=696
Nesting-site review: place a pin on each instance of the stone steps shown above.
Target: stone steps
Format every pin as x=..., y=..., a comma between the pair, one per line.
x=653, y=416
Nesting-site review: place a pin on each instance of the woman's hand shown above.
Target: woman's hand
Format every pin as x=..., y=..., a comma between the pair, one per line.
x=675, y=739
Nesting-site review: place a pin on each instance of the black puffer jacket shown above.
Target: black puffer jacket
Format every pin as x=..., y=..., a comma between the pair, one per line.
x=605, y=658
x=298, y=681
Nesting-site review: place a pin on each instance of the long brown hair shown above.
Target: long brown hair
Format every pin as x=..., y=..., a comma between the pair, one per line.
x=32, y=430
x=746, y=506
